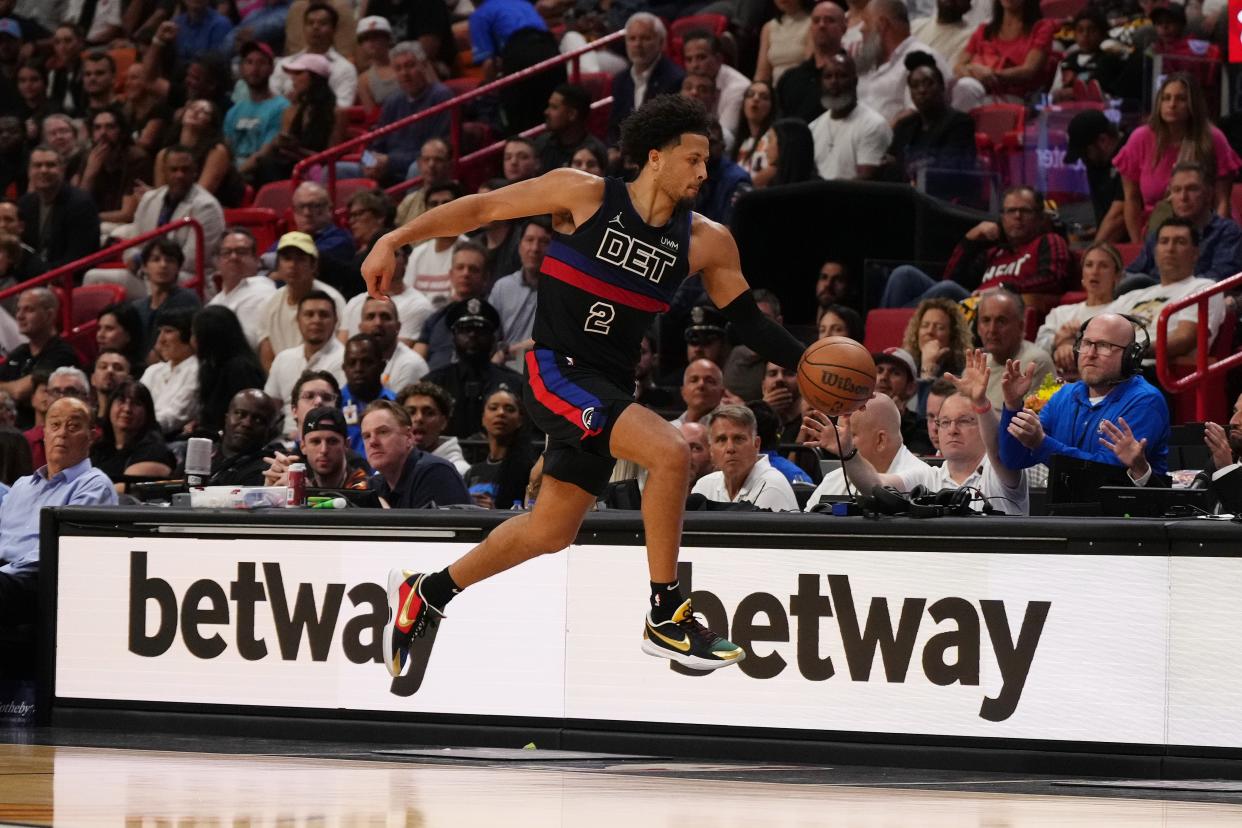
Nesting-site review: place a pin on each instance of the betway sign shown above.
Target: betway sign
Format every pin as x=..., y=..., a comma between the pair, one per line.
x=910, y=642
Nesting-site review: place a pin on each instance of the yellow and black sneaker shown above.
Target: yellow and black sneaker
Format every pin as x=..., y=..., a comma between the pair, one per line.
x=409, y=617
x=684, y=639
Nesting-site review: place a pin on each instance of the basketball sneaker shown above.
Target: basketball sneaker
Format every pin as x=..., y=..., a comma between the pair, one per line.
x=409, y=617
x=684, y=639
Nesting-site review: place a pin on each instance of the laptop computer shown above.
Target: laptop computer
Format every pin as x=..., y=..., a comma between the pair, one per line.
x=1074, y=485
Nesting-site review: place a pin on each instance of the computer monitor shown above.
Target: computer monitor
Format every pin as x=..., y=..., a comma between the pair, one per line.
x=1071, y=480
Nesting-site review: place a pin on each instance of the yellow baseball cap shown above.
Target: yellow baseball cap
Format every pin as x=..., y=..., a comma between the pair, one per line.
x=301, y=241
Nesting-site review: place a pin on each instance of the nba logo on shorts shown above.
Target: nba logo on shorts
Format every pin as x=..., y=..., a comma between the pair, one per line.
x=1235, y=31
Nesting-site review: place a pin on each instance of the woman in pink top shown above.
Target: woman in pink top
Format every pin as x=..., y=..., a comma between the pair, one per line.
x=1006, y=59
x=1178, y=130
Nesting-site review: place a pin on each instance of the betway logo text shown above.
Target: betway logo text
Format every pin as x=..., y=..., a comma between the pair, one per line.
x=204, y=608
x=761, y=619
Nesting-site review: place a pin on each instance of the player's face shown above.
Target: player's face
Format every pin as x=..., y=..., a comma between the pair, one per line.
x=683, y=167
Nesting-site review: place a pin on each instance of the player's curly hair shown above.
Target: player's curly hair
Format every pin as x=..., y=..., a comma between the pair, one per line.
x=659, y=123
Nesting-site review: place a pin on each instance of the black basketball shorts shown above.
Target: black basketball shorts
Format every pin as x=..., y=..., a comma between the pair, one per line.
x=577, y=408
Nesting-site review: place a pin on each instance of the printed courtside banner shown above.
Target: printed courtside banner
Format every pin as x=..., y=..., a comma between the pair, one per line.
x=1084, y=648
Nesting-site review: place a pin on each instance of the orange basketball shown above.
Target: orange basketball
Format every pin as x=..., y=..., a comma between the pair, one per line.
x=836, y=375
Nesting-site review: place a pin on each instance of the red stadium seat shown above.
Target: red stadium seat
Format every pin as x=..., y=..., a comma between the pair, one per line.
x=460, y=86
x=1129, y=252
x=346, y=187
x=998, y=132
x=89, y=300
x=278, y=196
x=714, y=23
x=359, y=120
x=263, y=222
x=1061, y=9
x=886, y=327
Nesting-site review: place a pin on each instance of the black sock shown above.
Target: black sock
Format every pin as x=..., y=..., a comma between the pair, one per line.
x=665, y=599
x=438, y=589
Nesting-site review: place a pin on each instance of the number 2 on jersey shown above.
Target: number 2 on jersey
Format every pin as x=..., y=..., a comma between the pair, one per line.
x=599, y=320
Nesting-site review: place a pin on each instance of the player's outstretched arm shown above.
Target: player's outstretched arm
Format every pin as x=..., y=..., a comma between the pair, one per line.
x=571, y=196
x=714, y=252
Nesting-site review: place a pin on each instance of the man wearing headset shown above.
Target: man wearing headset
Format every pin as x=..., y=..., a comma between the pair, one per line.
x=1111, y=415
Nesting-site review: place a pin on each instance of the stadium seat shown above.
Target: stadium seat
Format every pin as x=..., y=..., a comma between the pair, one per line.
x=263, y=222
x=1129, y=252
x=346, y=187
x=359, y=120
x=886, y=327
x=460, y=86
x=88, y=300
x=998, y=132
x=278, y=196
x=714, y=23
x=1061, y=9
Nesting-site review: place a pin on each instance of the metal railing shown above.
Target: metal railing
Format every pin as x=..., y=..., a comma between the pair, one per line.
x=331, y=155
x=1204, y=371
x=66, y=272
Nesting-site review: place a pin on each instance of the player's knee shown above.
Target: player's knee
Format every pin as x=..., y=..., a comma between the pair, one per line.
x=673, y=457
x=549, y=540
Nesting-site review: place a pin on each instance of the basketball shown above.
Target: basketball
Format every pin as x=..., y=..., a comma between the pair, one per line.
x=836, y=375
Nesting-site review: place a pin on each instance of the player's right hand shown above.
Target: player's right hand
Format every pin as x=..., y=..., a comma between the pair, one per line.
x=834, y=438
x=378, y=268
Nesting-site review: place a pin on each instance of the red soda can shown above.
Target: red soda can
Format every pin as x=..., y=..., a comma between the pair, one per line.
x=297, y=485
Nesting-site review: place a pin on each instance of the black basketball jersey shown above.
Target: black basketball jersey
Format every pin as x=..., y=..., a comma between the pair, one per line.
x=601, y=287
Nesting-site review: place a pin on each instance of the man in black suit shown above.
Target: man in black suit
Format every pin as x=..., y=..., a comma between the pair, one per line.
x=61, y=222
x=1224, y=475
x=651, y=73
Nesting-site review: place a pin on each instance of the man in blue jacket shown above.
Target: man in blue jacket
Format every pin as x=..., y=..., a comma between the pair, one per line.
x=1112, y=415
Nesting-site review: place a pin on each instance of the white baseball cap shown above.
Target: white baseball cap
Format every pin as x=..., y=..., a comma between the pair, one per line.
x=373, y=24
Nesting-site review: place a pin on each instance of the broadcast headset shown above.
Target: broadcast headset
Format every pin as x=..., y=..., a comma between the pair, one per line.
x=1132, y=357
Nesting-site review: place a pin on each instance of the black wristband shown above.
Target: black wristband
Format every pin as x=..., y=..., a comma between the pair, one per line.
x=847, y=458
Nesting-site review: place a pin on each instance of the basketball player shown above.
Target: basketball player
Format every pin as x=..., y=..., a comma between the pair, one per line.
x=619, y=253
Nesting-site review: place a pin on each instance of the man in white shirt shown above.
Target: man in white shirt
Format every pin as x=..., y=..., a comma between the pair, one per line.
x=413, y=309
x=243, y=289
x=427, y=270
x=297, y=264
x=702, y=56
x=947, y=31
x=1176, y=253
x=1000, y=318
x=968, y=428
x=881, y=58
x=319, y=25
x=319, y=350
x=402, y=366
x=850, y=137
x=515, y=296
x=173, y=383
x=877, y=436
x=743, y=474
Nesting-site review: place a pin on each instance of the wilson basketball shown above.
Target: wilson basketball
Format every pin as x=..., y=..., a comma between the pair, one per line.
x=836, y=375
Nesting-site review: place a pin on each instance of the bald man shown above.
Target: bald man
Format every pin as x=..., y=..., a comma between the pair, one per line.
x=702, y=387
x=700, y=450
x=877, y=435
x=1111, y=415
x=68, y=479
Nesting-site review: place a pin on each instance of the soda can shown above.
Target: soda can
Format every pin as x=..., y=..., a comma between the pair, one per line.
x=297, y=485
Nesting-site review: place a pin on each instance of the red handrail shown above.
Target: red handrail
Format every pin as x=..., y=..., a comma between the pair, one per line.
x=1197, y=379
x=66, y=272
x=452, y=106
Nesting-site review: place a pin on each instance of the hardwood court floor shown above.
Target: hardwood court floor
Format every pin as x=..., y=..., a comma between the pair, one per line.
x=44, y=785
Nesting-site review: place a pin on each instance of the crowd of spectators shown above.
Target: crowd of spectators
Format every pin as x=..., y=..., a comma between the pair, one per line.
x=117, y=118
